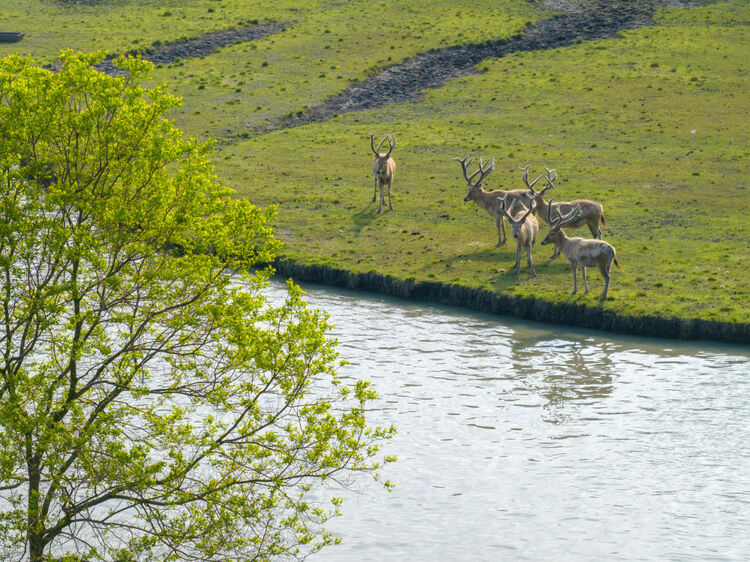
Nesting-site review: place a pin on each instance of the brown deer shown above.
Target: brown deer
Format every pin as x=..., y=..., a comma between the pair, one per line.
x=491, y=201
x=383, y=169
x=580, y=252
x=524, y=228
x=591, y=215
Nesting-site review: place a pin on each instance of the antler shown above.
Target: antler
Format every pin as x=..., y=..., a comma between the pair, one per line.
x=392, y=146
x=550, y=177
x=523, y=218
x=526, y=178
x=561, y=220
x=484, y=170
x=372, y=144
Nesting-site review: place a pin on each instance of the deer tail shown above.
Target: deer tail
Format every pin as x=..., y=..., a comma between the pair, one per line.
x=617, y=264
x=604, y=223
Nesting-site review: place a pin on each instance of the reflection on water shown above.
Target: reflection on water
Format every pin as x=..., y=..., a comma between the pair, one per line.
x=521, y=441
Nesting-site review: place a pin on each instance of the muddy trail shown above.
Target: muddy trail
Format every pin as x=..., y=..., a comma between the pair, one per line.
x=584, y=20
x=581, y=20
x=200, y=46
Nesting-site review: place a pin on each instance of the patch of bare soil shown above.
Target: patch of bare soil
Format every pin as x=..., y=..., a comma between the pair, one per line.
x=200, y=46
x=583, y=20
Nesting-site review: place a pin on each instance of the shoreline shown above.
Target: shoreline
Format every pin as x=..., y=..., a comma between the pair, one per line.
x=482, y=300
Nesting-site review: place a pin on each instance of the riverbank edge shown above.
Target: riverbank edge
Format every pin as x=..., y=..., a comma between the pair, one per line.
x=482, y=300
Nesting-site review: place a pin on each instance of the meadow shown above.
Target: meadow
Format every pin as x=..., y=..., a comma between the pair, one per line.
x=652, y=124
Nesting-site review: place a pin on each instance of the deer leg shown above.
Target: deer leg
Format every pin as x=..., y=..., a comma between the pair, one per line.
x=555, y=253
x=528, y=257
x=604, y=270
x=575, y=280
x=585, y=281
x=519, y=251
x=389, y=196
x=595, y=231
x=375, y=191
x=382, y=198
x=500, y=231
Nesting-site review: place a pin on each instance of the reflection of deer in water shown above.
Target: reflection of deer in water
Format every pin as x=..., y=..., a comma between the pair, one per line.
x=566, y=373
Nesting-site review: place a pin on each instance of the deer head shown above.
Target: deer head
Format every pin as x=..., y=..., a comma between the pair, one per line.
x=517, y=224
x=382, y=158
x=483, y=171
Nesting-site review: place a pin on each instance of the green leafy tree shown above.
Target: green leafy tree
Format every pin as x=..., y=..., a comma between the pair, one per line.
x=153, y=404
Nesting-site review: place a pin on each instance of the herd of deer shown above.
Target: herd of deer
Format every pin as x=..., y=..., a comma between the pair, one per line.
x=520, y=207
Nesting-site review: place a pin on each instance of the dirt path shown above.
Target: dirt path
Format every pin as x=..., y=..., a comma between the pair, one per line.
x=202, y=45
x=584, y=20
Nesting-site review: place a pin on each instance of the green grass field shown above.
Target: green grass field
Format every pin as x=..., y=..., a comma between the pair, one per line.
x=653, y=124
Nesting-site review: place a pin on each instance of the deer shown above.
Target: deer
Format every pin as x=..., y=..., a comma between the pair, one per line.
x=524, y=228
x=580, y=252
x=490, y=201
x=591, y=215
x=383, y=169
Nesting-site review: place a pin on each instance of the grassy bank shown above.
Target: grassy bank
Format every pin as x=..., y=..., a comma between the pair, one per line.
x=651, y=124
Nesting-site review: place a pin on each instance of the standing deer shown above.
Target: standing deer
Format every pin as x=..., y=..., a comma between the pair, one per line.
x=592, y=213
x=524, y=228
x=383, y=169
x=578, y=251
x=491, y=201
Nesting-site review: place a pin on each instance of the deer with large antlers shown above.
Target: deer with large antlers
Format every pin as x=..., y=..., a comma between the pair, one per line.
x=524, y=228
x=491, y=201
x=580, y=252
x=383, y=169
x=591, y=215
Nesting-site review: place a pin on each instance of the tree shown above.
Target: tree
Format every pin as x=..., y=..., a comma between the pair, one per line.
x=153, y=404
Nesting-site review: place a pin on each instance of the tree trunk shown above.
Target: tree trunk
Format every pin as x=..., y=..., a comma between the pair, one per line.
x=35, y=528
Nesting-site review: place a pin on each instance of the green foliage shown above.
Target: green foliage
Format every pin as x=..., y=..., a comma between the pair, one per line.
x=153, y=405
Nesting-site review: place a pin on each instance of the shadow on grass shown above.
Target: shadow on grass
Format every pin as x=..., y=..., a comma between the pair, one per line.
x=364, y=217
x=490, y=255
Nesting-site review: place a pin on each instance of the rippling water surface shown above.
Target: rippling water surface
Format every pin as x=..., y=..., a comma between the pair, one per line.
x=522, y=441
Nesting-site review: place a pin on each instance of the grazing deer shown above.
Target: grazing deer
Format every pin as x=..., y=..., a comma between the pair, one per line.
x=491, y=201
x=383, y=168
x=524, y=228
x=578, y=251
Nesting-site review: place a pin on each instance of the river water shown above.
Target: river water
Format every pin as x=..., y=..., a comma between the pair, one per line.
x=525, y=441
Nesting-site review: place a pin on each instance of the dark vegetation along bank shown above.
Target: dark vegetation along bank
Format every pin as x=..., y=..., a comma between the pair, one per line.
x=529, y=308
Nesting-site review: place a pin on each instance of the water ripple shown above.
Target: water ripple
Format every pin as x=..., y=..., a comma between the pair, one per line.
x=529, y=442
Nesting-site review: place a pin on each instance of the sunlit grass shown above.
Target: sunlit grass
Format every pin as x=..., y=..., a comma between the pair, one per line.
x=653, y=125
